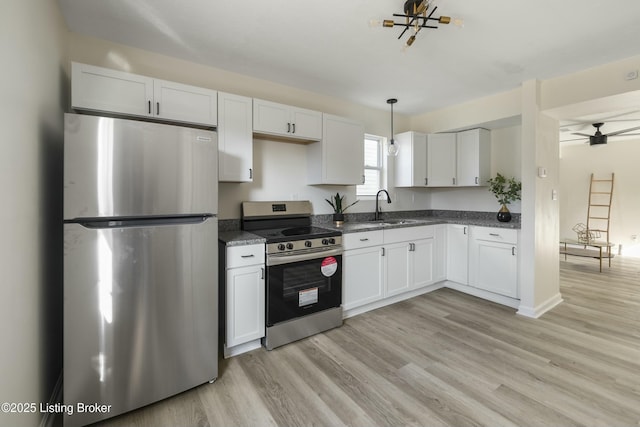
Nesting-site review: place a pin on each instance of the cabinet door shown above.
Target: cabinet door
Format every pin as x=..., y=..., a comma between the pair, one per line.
x=397, y=272
x=493, y=267
x=271, y=118
x=474, y=157
x=440, y=253
x=411, y=162
x=306, y=124
x=339, y=158
x=245, y=304
x=184, y=103
x=235, y=138
x=421, y=261
x=363, y=277
x=457, y=253
x=441, y=160
x=102, y=89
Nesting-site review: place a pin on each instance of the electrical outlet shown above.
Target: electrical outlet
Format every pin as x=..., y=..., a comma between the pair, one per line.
x=634, y=237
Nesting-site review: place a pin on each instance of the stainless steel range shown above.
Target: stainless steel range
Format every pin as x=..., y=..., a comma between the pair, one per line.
x=304, y=270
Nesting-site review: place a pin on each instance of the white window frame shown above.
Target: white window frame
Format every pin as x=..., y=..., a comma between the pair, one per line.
x=380, y=167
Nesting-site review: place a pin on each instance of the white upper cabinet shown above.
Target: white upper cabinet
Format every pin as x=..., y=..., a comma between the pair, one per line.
x=441, y=159
x=337, y=159
x=271, y=118
x=183, y=103
x=411, y=162
x=235, y=138
x=473, y=157
x=102, y=89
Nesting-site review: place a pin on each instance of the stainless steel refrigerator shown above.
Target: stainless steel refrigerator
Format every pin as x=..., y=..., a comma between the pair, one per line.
x=140, y=264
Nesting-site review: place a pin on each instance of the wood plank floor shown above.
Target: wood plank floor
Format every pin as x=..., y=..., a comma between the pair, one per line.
x=442, y=359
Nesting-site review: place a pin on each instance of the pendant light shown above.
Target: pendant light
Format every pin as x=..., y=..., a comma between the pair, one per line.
x=392, y=149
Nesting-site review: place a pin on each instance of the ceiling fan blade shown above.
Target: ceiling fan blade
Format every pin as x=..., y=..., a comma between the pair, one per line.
x=618, y=132
x=581, y=134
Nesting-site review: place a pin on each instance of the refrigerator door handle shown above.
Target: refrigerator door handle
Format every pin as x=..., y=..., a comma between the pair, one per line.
x=98, y=223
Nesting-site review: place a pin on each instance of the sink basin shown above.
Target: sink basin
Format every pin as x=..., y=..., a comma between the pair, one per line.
x=393, y=221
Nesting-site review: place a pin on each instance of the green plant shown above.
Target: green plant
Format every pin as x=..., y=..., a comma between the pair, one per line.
x=337, y=202
x=505, y=190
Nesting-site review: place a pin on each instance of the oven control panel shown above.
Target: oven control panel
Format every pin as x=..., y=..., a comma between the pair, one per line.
x=296, y=245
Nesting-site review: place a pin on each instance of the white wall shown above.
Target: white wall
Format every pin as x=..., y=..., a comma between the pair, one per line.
x=577, y=162
x=33, y=87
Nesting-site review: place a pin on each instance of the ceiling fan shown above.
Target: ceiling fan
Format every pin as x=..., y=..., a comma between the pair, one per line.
x=601, y=138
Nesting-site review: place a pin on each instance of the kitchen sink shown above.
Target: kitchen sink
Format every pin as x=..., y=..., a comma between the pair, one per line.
x=394, y=221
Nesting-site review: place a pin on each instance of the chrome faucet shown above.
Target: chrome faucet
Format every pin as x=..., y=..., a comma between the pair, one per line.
x=377, y=214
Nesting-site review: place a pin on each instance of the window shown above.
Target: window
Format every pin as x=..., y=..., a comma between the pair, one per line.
x=373, y=166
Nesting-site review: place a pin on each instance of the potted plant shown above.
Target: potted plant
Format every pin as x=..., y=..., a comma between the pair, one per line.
x=337, y=203
x=506, y=191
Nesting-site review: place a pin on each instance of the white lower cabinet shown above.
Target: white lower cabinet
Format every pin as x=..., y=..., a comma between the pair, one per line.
x=458, y=253
x=493, y=260
x=363, y=272
x=382, y=264
x=244, y=298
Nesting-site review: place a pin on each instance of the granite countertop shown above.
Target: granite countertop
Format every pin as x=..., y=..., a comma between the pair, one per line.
x=239, y=238
x=355, y=223
x=354, y=226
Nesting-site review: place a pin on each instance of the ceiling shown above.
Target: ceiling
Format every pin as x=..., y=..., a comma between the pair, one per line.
x=328, y=46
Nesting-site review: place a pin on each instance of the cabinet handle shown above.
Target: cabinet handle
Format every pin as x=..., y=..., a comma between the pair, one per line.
x=382, y=251
x=157, y=108
x=288, y=127
x=513, y=250
x=247, y=256
x=262, y=273
x=250, y=173
x=363, y=179
x=426, y=181
x=454, y=181
x=364, y=240
x=464, y=230
x=494, y=234
x=293, y=126
x=149, y=102
x=412, y=247
x=476, y=180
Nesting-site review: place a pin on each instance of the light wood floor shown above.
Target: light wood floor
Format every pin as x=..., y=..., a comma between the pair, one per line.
x=442, y=359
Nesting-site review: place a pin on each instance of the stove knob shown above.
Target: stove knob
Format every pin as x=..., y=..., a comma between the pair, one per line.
x=281, y=247
x=289, y=246
x=307, y=243
x=325, y=241
x=332, y=241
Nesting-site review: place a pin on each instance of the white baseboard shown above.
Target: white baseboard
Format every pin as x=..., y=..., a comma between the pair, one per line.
x=241, y=348
x=48, y=418
x=489, y=296
x=540, y=309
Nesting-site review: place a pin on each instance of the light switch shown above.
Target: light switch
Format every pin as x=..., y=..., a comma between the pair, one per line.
x=542, y=172
x=554, y=195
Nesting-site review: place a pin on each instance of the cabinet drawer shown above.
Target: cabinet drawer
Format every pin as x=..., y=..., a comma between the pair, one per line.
x=240, y=256
x=408, y=234
x=362, y=240
x=502, y=235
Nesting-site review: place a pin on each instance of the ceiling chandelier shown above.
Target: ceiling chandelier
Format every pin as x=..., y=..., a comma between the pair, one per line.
x=418, y=14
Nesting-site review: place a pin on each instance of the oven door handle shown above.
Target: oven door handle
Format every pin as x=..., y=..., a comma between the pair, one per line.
x=278, y=259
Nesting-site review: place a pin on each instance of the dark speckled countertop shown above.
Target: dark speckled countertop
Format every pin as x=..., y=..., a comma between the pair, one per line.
x=232, y=236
